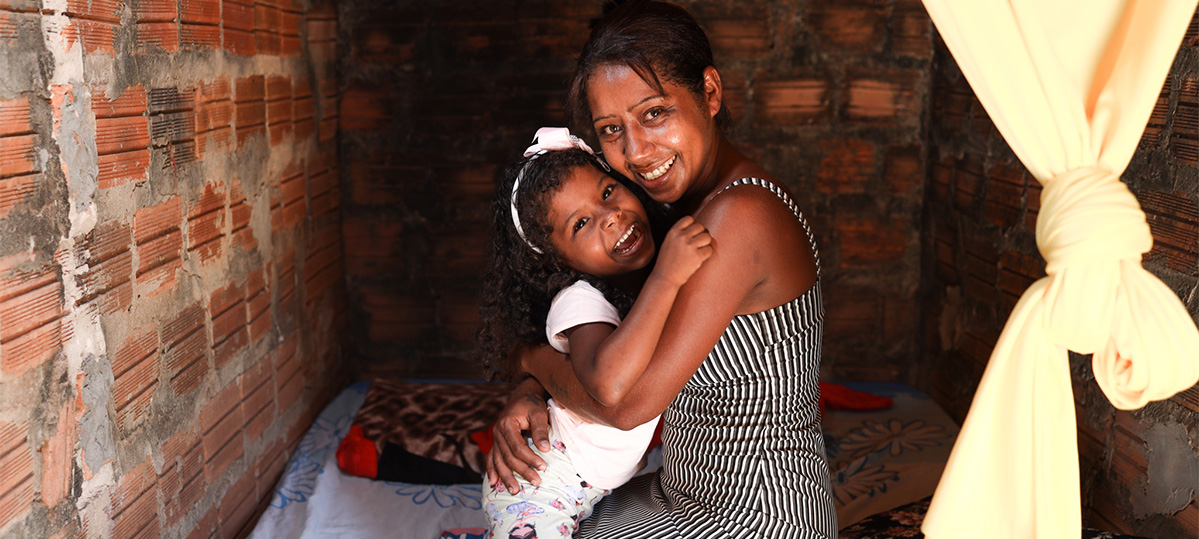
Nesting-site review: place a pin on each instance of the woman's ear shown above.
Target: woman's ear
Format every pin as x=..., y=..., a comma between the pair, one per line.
x=713, y=90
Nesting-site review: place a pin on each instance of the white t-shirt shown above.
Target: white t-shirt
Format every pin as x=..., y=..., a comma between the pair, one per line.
x=604, y=456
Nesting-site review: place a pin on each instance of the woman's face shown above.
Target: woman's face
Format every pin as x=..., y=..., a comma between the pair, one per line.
x=598, y=225
x=663, y=140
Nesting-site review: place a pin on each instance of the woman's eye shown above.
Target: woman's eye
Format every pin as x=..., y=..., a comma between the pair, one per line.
x=654, y=113
x=608, y=130
x=580, y=224
x=608, y=191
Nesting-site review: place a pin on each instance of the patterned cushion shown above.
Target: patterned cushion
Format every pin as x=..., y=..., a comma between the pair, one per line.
x=431, y=420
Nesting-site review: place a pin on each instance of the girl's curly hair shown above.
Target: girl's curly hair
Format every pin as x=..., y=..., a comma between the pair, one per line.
x=521, y=283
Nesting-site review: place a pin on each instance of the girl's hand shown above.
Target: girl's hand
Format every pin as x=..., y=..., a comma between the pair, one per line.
x=510, y=453
x=687, y=245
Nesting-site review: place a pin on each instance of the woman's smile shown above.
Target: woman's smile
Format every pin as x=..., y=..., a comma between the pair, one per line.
x=660, y=137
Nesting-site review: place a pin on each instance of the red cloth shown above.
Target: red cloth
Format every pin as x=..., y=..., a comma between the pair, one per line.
x=357, y=455
x=839, y=397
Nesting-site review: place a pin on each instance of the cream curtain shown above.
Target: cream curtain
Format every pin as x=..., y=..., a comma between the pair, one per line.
x=1070, y=84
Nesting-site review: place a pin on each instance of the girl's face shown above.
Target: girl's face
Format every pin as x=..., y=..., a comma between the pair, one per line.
x=665, y=141
x=598, y=225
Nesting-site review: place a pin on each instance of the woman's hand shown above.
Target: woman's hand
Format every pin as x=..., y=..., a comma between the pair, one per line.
x=510, y=453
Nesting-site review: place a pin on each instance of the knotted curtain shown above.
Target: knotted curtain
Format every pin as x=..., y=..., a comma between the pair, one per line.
x=1070, y=85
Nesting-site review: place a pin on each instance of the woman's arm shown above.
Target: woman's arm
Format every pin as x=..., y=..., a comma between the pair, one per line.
x=526, y=411
x=607, y=360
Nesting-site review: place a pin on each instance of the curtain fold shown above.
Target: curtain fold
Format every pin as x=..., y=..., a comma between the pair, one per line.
x=1070, y=85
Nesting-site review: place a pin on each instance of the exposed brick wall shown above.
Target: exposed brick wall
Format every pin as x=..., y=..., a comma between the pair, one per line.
x=438, y=98
x=172, y=300
x=980, y=255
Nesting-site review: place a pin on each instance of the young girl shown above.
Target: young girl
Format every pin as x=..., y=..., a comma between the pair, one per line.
x=572, y=244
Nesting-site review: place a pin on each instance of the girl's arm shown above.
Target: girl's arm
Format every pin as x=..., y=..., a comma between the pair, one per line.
x=607, y=360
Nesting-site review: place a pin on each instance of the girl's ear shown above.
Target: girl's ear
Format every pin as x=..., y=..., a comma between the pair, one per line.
x=713, y=90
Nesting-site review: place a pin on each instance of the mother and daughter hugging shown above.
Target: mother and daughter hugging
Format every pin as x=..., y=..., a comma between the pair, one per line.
x=671, y=276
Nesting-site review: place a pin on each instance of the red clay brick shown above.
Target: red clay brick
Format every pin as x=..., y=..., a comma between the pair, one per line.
x=884, y=95
x=278, y=111
x=120, y=168
x=289, y=24
x=216, y=115
x=740, y=37
x=266, y=18
x=16, y=472
x=223, y=445
x=18, y=155
x=108, y=274
x=250, y=114
x=859, y=312
x=867, y=239
x=131, y=102
x=200, y=36
x=1174, y=220
x=200, y=11
x=103, y=10
x=289, y=45
x=911, y=30
x=121, y=134
x=136, y=350
x=968, y=182
x=1017, y=272
x=136, y=382
x=320, y=31
x=366, y=109
x=14, y=117
x=57, y=453
x=240, y=42
x=238, y=16
x=189, y=376
x=139, y=515
x=1157, y=119
x=1184, y=136
x=855, y=28
x=252, y=88
x=903, y=169
x=207, y=527
x=156, y=11
x=848, y=166
x=155, y=221
x=15, y=191
x=1005, y=195
x=790, y=102
x=237, y=506
x=30, y=321
x=158, y=35
x=157, y=252
x=228, y=321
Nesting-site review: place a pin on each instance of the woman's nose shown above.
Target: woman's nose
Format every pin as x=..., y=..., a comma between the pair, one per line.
x=637, y=145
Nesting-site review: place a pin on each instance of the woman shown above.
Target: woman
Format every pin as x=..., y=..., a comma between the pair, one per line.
x=735, y=373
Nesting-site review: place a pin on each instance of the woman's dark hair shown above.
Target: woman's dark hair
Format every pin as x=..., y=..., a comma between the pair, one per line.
x=521, y=282
x=654, y=39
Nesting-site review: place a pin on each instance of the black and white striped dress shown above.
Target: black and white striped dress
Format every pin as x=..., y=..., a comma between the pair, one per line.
x=742, y=450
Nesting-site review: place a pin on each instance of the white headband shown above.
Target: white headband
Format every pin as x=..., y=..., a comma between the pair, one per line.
x=547, y=139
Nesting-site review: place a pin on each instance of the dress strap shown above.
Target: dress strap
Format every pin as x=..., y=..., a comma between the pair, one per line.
x=779, y=192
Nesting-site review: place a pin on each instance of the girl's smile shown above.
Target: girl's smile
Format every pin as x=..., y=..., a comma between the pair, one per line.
x=598, y=225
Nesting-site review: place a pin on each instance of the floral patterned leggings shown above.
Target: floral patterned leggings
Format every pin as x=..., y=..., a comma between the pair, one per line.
x=550, y=511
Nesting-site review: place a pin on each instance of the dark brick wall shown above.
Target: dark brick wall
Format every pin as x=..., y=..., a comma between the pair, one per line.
x=172, y=301
x=437, y=98
x=980, y=254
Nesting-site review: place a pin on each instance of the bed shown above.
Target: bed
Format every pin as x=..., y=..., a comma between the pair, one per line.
x=880, y=460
